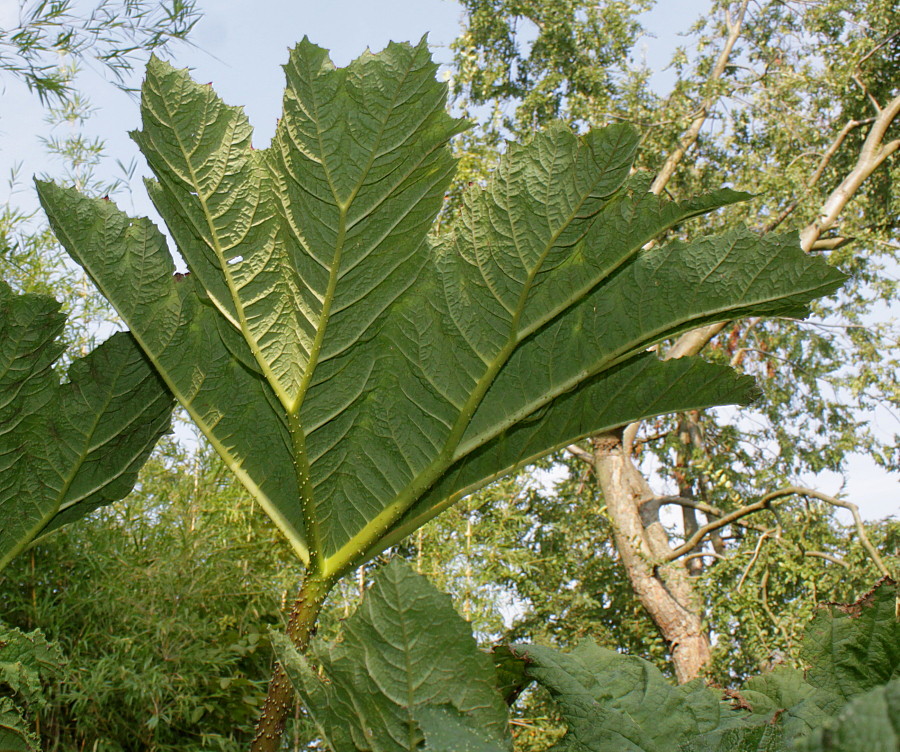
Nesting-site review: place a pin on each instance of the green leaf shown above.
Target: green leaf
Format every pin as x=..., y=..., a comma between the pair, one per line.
x=767, y=737
x=15, y=732
x=785, y=697
x=621, y=703
x=509, y=669
x=855, y=647
x=24, y=658
x=406, y=668
x=66, y=449
x=447, y=730
x=870, y=722
x=359, y=373
x=618, y=703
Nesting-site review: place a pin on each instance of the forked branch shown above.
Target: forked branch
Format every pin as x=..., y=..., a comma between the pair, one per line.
x=766, y=503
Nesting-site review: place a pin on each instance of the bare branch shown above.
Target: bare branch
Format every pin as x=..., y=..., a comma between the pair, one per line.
x=877, y=47
x=865, y=90
x=579, y=453
x=872, y=154
x=828, y=557
x=652, y=437
x=753, y=559
x=692, y=342
x=700, y=506
x=693, y=131
x=701, y=554
x=850, y=126
x=829, y=244
x=765, y=504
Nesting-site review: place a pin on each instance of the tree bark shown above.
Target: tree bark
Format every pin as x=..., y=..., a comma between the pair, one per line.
x=664, y=590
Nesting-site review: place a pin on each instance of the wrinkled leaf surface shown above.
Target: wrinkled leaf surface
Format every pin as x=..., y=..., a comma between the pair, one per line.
x=406, y=670
x=359, y=373
x=66, y=449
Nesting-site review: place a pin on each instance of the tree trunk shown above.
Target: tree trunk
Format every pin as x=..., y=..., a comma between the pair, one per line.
x=665, y=591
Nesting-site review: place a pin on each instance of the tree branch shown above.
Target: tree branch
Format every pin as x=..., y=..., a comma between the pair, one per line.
x=753, y=559
x=764, y=504
x=827, y=557
x=823, y=163
x=872, y=154
x=693, y=131
x=658, y=501
x=579, y=453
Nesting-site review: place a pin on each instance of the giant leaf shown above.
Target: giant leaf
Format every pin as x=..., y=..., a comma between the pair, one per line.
x=359, y=373
x=870, y=722
x=406, y=670
x=852, y=648
x=618, y=703
x=66, y=449
x=622, y=703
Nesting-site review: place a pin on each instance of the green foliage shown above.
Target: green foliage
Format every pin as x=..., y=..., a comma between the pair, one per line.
x=799, y=74
x=406, y=668
x=851, y=649
x=530, y=53
x=67, y=449
x=868, y=723
x=615, y=702
x=161, y=605
x=357, y=374
x=15, y=734
x=111, y=33
x=25, y=659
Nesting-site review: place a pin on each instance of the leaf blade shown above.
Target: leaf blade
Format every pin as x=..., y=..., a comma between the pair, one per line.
x=67, y=449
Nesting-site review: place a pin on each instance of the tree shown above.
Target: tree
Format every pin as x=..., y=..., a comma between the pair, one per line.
x=795, y=101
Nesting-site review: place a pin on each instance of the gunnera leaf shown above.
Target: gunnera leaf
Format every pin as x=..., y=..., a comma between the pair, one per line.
x=852, y=648
x=870, y=722
x=359, y=372
x=67, y=449
x=619, y=703
x=25, y=657
x=15, y=731
x=405, y=671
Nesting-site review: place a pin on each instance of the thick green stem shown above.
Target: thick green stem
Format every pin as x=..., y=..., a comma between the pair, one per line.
x=301, y=626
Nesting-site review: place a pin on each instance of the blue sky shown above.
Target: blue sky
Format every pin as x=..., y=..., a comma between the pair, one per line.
x=240, y=47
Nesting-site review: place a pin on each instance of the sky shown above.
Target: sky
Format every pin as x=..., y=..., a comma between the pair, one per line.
x=239, y=47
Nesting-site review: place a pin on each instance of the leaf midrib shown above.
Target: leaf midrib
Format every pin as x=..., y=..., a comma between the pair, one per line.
x=615, y=357
x=418, y=485
x=45, y=519
x=312, y=528
x=187, y=402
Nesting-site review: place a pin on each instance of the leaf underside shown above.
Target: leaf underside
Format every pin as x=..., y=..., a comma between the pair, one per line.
x=67, y=449
x=357, y=373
